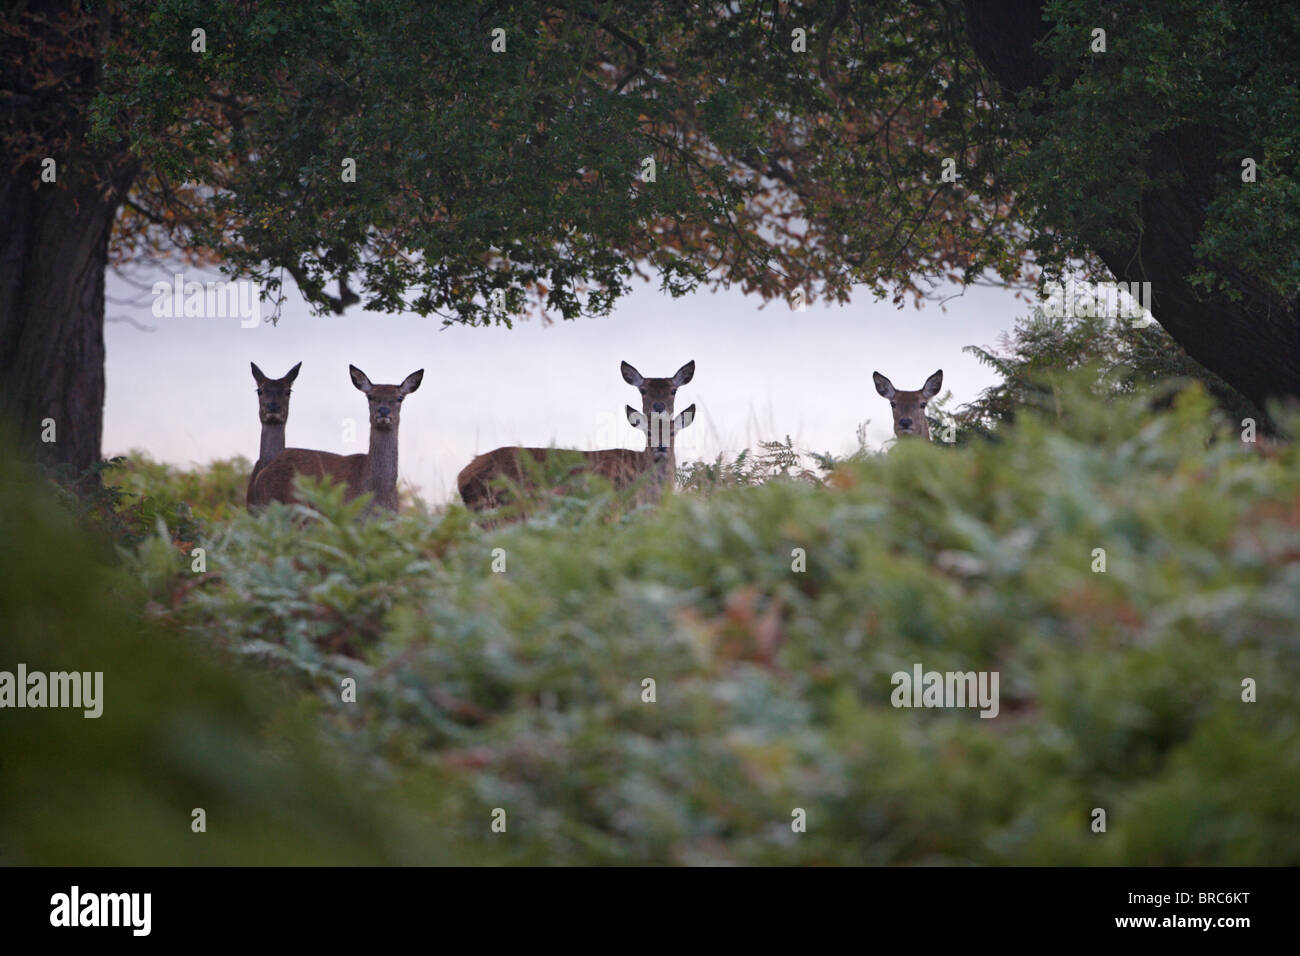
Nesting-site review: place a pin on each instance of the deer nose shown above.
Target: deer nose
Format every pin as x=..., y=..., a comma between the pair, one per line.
x=658, y=406
x=384, y=411
x=904, y=423
x=272, y=406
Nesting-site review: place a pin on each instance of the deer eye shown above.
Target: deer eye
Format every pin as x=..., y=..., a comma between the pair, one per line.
x=893, y=404
x=923, y=404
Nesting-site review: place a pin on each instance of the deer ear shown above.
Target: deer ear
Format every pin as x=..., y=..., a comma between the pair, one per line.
x=932, y=385
x=883, y=385
x=359, y=379
x=258, y=377
x=684, y=419
x=412, y=382
x=293, y=373
x=631, y=375
x=684, y=374
x=636, y=419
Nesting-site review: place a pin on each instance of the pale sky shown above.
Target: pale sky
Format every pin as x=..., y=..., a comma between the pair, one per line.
x=184, y=393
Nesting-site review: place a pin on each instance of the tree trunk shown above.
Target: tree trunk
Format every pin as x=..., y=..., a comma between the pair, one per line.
x=54, y=235
x=1253, y=343
x=53, y=257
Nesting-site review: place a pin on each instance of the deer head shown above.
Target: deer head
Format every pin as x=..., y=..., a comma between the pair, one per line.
x=385, y=400
x=909, y=407
x=273, y=395
x=656, y=416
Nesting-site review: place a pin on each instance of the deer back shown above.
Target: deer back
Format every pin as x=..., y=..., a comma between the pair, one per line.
x=479, y=482
x=275, y=481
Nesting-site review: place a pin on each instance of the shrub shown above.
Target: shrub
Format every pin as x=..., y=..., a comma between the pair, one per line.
x=1127, y=359
x=521, y=688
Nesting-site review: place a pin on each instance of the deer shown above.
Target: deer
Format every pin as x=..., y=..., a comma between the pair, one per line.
x=909, y=407
x=374, y=472
x=655, y=466
x=273, y=413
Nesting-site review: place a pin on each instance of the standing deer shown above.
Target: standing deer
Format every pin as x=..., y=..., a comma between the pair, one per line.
x=909, y=407
x=273, y=412
x=375, y=471
x=656, y=464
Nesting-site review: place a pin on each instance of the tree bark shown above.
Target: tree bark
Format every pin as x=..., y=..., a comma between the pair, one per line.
x=54, y=235
x=53, y=259
x=1253, y=343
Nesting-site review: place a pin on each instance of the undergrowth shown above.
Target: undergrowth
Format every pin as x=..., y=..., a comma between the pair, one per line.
x=508, y=668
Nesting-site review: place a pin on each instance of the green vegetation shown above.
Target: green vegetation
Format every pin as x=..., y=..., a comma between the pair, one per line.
x=522, y=689
x=211, y=492
x=183, y=727
x=1127, y=358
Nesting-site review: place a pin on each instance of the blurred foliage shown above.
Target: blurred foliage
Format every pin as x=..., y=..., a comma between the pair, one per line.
x=521, y=688
x=182, y=728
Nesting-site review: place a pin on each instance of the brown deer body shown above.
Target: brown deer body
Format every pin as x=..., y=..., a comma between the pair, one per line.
x=273, y=413
x=655, y=465
x=374, y=472
x=909, y=407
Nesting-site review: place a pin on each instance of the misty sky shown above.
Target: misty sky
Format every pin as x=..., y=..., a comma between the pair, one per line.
x=184, y=393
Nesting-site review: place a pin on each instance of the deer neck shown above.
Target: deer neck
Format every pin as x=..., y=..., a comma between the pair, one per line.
x=663, y=472
x=380, y=473
x=272, y=443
